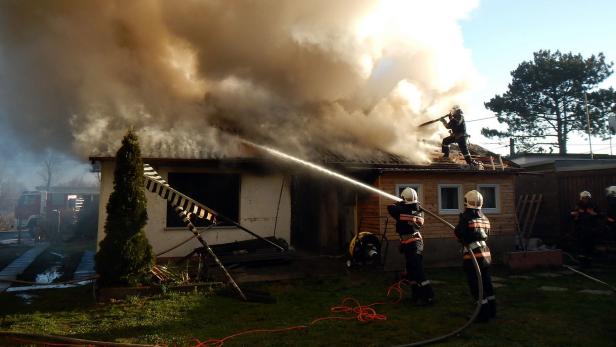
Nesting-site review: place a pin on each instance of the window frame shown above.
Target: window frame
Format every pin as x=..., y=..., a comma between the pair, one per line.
x=412, y=185
x=497, y=199
x=440, y=198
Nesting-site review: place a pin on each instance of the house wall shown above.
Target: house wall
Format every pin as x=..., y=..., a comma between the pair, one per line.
x=259, y=197
x=323, y=217
x=441, y=247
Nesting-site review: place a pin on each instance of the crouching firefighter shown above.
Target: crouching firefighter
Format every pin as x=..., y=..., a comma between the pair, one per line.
x=457, y=129
x=409, y=220
x=472, y=231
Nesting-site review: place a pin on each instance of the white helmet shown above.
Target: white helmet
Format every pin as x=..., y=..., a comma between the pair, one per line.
x=473, y=199
x=409, y=195
x=610, y=191
x=585, y=194
x=455, y=110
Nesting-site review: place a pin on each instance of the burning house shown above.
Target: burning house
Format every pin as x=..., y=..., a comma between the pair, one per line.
x=316, y=213
x=344, y=75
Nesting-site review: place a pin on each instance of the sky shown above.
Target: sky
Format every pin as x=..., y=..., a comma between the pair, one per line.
x=501, y=34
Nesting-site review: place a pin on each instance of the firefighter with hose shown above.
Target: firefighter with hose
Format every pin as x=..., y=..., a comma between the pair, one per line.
x=409, y=220
x=472, y=231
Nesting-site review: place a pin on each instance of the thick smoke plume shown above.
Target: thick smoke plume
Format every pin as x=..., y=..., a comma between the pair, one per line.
x=350, y=77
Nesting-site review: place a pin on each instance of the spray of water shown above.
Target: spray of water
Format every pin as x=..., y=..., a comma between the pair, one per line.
x=334, y=174
x=321, y=169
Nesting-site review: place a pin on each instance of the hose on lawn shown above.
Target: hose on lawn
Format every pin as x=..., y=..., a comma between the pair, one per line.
x=46, y=340
x=612, y=288
x=479, y=299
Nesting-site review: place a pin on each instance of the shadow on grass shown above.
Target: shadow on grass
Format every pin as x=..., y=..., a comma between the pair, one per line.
x=48, y=300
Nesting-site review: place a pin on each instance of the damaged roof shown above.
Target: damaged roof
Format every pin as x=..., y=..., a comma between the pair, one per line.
x=379, y=160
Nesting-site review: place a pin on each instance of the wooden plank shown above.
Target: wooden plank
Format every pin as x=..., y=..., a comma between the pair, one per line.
x=528, y=213
x=522, y=211
x=535, y=212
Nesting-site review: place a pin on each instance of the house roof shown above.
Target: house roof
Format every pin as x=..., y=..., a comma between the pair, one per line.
x=567, y=162
x=379, y=161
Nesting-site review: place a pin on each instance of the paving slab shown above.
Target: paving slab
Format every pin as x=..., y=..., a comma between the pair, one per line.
x=498, y=279
x=520, y=277
x=20, y=264
x=596, y=292
x=553, y=289
x=85, y=269
x=549, y=274
x=498, y=285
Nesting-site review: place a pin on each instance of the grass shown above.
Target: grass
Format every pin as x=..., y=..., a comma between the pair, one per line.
x=527, y=316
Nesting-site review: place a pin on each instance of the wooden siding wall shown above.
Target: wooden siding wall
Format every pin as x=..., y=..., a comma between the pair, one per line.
x=570, y=184
x=373, y=206
x=548, y=219
x=560, y=193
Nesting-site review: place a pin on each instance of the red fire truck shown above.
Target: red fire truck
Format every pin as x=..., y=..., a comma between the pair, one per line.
x=32, y=206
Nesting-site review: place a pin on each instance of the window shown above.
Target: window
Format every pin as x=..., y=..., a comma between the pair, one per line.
x=401, y=186
x=449, y=198
x=221, y=192
x=491, y=197
x=58, y=200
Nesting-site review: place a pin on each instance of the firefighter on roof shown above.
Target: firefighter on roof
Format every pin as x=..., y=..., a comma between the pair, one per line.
x=457, y=129
x=586, y=222
x=472, y=231
x=409, y=220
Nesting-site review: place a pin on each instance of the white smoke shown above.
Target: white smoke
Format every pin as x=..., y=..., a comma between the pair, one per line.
x=349, y=77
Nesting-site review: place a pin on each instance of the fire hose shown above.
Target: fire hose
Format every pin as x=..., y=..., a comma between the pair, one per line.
x=479, y=298
x=367, y=187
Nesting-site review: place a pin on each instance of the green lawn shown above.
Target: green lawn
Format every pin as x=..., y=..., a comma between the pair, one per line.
x=527, y=316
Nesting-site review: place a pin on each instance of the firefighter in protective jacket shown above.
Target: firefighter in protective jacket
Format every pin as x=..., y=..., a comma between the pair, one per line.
x=457, y=128
x=472, y=231
x=586, y=218
x=409, y=220
x=611, y=211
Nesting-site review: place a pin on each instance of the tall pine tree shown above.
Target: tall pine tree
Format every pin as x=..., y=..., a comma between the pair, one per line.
x=125, y=256
x=545, y=102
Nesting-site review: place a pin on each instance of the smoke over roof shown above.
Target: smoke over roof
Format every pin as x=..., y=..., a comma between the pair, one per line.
x=349, y=76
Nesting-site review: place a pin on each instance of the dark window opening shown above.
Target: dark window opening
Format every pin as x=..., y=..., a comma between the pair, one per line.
x=220, y=192
x=449, y=198
x=489, y=196
x=402, y=187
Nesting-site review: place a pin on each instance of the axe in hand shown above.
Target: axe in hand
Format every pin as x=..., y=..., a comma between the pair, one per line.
x=433, y=121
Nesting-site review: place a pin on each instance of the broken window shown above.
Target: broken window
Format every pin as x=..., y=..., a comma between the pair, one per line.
x=220, y=192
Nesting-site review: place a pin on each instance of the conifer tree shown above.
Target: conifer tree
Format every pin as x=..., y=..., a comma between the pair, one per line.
x=125, y=256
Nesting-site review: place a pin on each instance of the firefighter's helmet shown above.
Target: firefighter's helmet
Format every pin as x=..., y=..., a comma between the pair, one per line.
x=610, y=191
x=585, y=194
x=455, y=111
x=473, y=199
x=409, y=195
